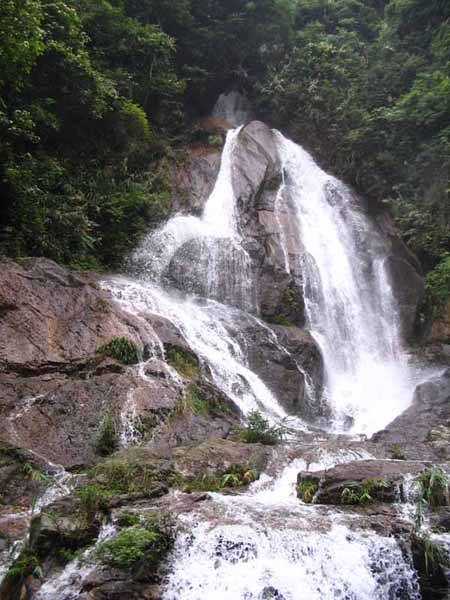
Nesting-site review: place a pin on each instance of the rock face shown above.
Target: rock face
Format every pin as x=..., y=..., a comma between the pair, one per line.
x=256, y=179
x=51, y=379
x=406, y=276
x=358, y=482
x=423, y=430
x=287, y=359
x=440, y=328
x=192, y=177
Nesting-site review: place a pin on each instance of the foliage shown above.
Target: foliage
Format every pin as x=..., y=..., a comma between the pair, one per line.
x=397, y=452
x=127, y=519
x=433, y=485
x=366, y=87
x=92, y=498
x=363, y=492
x=107, y=439
x=135, y=548
x=27, y=563
x=121, y=349
x=194, y=401
x=432, y=553
x=282, y=320
x=438, y=287
x=94, y=94
x=307, y=489
x=259, y=430
x=119, y=475
x=183, y=361
x=238, y=476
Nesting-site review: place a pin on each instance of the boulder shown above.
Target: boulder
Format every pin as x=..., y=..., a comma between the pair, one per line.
x=420, y=431
x=217, y=457
x=358, y=482
x=267, y=223
x=213, y=268
x=288, y=361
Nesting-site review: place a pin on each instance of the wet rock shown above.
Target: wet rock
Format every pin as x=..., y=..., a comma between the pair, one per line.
x=66, y=523
x=201, y=256
x=54, y=316
x=268, y=230
x=431, y=558
x=406, y=276
x=17, y=487
x=217, y=456
x=286, y=359
x=70, y=410
x=192, y=177
x=420, y=431
x=440, y=328
x=358, y=482
x=233, y=107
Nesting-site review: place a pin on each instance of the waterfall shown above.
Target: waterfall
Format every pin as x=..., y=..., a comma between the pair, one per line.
x=195, y=271
x=350, y=305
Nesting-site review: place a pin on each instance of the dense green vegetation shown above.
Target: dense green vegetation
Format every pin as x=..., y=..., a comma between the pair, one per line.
x=92, y=93
x=258, y=430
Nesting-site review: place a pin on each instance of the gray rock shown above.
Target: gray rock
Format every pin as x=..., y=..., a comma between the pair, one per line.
x=411, y=430
x=382, y=479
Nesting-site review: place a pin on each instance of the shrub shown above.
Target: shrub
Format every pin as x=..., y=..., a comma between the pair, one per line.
x=92, y=498
x=437, y=287
x=121, y=349
x=135, y=547
x=307, y=489
x=364, y=492
x=397, y=452
x=27, y=563
x=107, y=440
x=433, y=486
x=238, y=476
x=186, y=363
x=259, y=430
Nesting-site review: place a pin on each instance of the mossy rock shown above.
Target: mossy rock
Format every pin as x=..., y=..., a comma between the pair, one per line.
x=184, y=361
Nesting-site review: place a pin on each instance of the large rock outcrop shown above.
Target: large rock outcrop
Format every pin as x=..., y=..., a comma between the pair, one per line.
x=423, y=430
x=406, y=276
x=52, y=380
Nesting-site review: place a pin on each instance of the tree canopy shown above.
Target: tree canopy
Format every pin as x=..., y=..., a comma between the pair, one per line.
x=92, y=92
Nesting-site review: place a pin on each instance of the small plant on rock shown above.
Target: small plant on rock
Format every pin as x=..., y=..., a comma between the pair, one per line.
x=433, y=485
x=92, y=499
x=135, y=548
x=121, y=349
x=186, y=363
x=107, y=440
x=307, y=489
x=397, y=452
x=363, y=492
x=259, y=430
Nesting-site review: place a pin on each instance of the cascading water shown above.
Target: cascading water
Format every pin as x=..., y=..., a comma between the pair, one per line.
x=265, y=544
x=349, y=300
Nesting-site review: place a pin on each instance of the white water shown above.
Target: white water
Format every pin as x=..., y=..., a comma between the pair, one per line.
x=266, y=545
x=350, y=305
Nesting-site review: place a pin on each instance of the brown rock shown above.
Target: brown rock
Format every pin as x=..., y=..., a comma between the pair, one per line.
x=381, y=479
